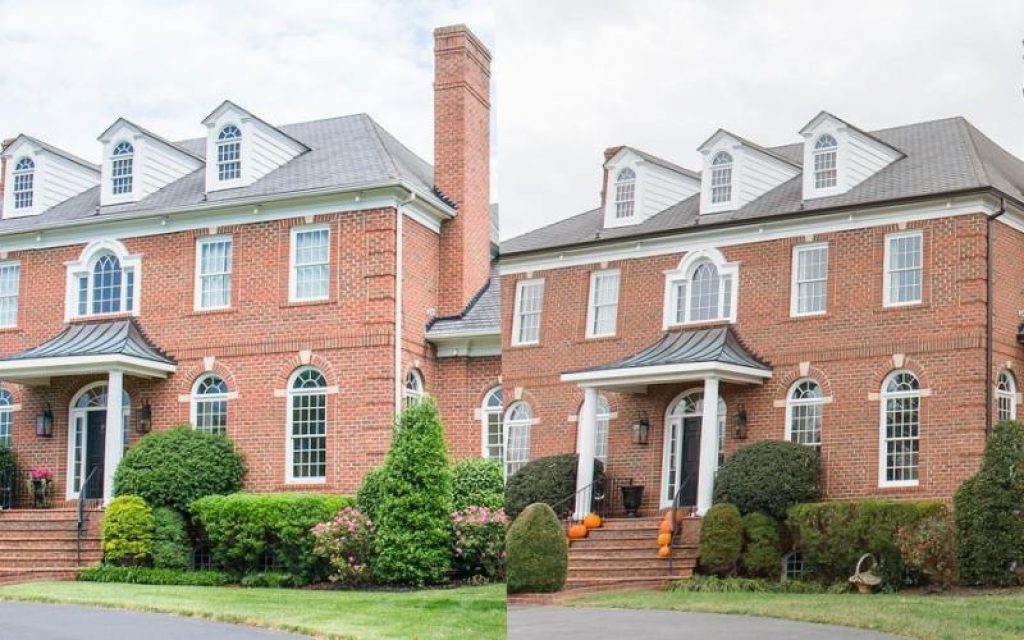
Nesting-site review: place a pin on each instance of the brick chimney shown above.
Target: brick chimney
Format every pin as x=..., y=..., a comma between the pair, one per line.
x=462, y=161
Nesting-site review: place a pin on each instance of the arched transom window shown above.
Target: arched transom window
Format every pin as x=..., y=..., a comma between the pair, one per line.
x=210, y=404
x=307, y=426
x=900, y=429
x=518, y=422
x=413, y=389
x=625, y=194
x=721, y=178
x=229, y=153
x=121, y=168
x=1006, y=395
x=24, y=178
x=825, y=172
x=492, y=434
x=702, y=290
x=804, y=406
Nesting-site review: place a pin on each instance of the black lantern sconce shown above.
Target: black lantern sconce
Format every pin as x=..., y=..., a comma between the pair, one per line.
x=641, y=429
x=739, y=423
x=144, y=421
x=44, y=423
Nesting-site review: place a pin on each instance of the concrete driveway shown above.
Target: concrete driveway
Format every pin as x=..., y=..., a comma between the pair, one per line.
x=537, y=623
x=27, y=621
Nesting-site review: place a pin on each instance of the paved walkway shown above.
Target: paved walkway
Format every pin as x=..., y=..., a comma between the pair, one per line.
x=26, y=621
x=537, y=623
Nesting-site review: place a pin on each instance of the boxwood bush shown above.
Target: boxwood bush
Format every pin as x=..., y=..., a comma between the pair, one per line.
x=477, y=482
x=127, y=531
x=8, y=477
x=171, y=547
x=370, y=493
x=538, y=554
x=177, y=467
x=769, y=476
x=762, y=549
x=147, y=575
x=245, y=529
x=721, y=539
x=549, y=480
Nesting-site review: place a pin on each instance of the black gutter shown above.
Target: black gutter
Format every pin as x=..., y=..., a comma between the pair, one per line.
x=989, y=316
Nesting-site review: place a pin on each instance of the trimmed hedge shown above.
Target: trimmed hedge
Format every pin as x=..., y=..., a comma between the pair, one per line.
x=244, y=528
x=549, y=480
x=721, y=539
x=769, y=476
x=477, y=482
x=146, y=575
x=538, y=554
x=762, y=549
x=127, y=531
x=177, y=467
x=171, y=547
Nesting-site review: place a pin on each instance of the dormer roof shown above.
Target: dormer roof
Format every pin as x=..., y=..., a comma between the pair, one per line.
x=228, y=105
x=718, y=135
x=661, y=162
x=21, y=137
x=109, y=131
x=823, y=116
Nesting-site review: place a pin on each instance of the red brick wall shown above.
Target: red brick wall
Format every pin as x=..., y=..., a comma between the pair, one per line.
x=460, y=389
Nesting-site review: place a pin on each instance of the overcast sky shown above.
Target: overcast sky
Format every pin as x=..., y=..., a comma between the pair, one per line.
x=579, y=76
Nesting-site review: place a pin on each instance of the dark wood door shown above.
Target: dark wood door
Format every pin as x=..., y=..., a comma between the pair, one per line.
x=691, y=461
x=95, y=453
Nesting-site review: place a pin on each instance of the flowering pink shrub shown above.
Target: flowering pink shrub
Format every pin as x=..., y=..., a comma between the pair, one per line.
x=480, y=542
x=41, y=473
x=346, y=541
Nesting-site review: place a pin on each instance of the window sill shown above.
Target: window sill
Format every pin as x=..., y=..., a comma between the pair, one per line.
x=903, y=307
x=900, y=486
x=703, y=324
x=308, y=303
x=214, y=312
x=525, y=345
x=120, y=315
x=304, y=483
x=602, y=338
x=827, y=315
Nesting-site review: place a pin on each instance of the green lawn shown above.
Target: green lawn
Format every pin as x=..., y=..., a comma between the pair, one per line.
x=467, y=612
x=960, y=617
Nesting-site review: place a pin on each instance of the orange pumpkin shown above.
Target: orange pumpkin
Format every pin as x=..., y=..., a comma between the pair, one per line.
x=664, y=539
x=664, y=552
x=592, y=521
x=666, y=526
x=577, y=532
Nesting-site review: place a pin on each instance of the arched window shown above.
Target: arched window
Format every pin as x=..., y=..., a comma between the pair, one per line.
x=604, y=415
x=106, y=284
x=104, y=280
x=704, y=293
x=24, y=177
x=121, y=168
x=688, y=407
x=625, y=193
x=825, y=162
x=721, y=178
x=307, y=426
x=493, y=435
x=803, y=413
x=701, y=290
x=900, y=429
x=518, y=422
x=210, y=404
x=413, y=390
x=1006, y=394
x=229, y=153
x=6, y=417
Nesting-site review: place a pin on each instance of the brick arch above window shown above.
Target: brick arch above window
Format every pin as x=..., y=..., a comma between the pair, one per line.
x=783, y=384
x=187, y=379
x=305, y=359
x=900, y=362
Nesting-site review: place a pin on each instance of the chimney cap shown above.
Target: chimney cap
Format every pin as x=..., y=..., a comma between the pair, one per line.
x=461, y=29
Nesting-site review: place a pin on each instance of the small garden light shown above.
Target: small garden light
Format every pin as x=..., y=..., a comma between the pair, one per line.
x=144, y=422
x=44, y=423
x=641, y=429
x=739, y=423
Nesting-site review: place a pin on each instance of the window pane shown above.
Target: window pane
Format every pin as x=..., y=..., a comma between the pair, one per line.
x=215, y=273
x=704, y=293
x=811, y=279
x=106, y=285
x=531, y=296
x=308, y=434
x=311, y=264
x=605, y=301
x=905, y=269
x=10, y=276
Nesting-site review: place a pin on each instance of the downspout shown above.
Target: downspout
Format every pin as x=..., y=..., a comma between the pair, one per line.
x=989, y=316
x=399, y=286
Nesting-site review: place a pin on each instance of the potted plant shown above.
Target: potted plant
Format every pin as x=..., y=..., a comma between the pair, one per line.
x=41, y=484
x=632, y=496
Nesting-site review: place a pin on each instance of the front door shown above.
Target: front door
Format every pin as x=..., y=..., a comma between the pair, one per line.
x=95, y=453
x=691, y=461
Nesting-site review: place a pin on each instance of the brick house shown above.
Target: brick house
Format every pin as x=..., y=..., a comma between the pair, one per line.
x=274, y=283
x=856, y=292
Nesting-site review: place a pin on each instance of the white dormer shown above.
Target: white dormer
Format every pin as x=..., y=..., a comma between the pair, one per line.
x=137, y=163
x=40, y=176
x=839, y=156
x=737, y=171
x=241, y=148
x=641, y=185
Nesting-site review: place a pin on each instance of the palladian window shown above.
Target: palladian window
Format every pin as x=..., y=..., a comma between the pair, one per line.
x=703, y=289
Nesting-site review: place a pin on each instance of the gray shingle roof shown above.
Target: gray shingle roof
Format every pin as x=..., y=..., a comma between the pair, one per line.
x=114, y=337
x=54, y=150
x=481, y=316
x=942, y=156
x=345, y=152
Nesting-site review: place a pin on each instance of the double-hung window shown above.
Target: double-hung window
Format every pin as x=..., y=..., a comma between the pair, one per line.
x=721, y=178
x=904, y=268
x=604, y=303
x=825, y=172
x=810, y=280
x=10, y=283
x=310, y=268
x=210, y=404
x=24, y=179
x=121, y=169
x=307, y=426
x=229, y=153
x=493, y=431
x=625, y=194
x=526, y=320
x=900, y=430
x=213, y=272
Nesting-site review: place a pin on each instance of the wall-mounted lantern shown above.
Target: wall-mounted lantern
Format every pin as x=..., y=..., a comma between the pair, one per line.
x=144, y=420
x=739, y=423
x=641, y=429
x=44, y=423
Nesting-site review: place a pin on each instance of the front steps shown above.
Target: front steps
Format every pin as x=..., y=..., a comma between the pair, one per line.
x=41, y=544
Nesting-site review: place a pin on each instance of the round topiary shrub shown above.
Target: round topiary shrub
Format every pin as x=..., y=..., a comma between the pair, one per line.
x=171, y=547
x=762, y=550
x=127, y=531
x=549, y=480
x=538, y=555
x=721, y=539
x=177, y=467
x=370, y=493
x=769, y=476
x=477, y=482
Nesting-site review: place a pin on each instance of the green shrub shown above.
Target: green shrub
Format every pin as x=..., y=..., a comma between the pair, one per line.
x=127, y=531
x=928, y=550
x=833, y=535
x=146, y=575
x=769, y=476
x=8, y=477
x=244, y=529
x=987, y=512
x=721, y=539
x=346, y=542
x=477, y=482
x=714, y=584
x=762, y=550
x=480, y=542
x=414, y=530
x=177, y=467
x=549, y=480
x=538, y=555
x=269, y=580
x=171, y=547
x=370, y=494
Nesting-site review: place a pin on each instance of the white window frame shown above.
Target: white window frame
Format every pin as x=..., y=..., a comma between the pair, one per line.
x=684, y=274
x=127, y=160
x=16, y=173
x=222, y=143
x=517, y=316
x=795, y=282
x=792, y=402
x=717, y=170
x=293, y=267
x=83, y=267
x=15, y=265
x=1008, y=395
x=602, y=428
x=488, y=411
x=887, y=273
x=77, y=418
x=883, y=450
x=291, y=393
x=625, y=194
x=200, y=276
x=196, y=398
x=823, y=152
x=6, y=418
x=413, y=388
x=592, y=304
x=510, y=426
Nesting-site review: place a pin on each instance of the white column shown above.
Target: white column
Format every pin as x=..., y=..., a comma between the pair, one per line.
x=114, y=446
x=585, y=447
x=708, y=446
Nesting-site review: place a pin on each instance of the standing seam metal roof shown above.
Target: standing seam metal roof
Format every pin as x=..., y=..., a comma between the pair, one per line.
x=113, y=337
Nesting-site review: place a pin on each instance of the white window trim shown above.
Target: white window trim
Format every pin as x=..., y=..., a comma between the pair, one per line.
x=516, y=315
x=507, y=425
x=17, y=292
x=815, y=152
x=133, y=176
x=74, y=413
x=195, y=399
x=290, y=394
x=882, y=449
x=683, y=273
x=292, y=283
x=591, y=303
x=794, y=301
x=886, y=285
x=218, y=143
x=486, y=412
x=412, y=395
x=198, y=281
x=83, y=267
x=792, y=402
x=1010, y=395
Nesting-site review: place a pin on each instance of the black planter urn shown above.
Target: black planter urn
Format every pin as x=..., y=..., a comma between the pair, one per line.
x=632, y=496
x=39, y=494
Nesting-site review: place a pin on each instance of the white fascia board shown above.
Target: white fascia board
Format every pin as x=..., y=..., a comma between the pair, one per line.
x=467, y=345
x=754, y=231
x=668, y=373
x=79, y=365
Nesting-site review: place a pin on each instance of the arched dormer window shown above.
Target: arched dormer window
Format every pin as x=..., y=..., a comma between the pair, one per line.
x=703, y=289
x=625, y=194
x=825, y=173
x=721, y=178
x=229, y=153
x=104, y=281
x=122, y=168
x=24, y=179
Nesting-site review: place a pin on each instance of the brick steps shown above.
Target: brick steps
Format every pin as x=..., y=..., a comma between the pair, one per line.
x=43, y=544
